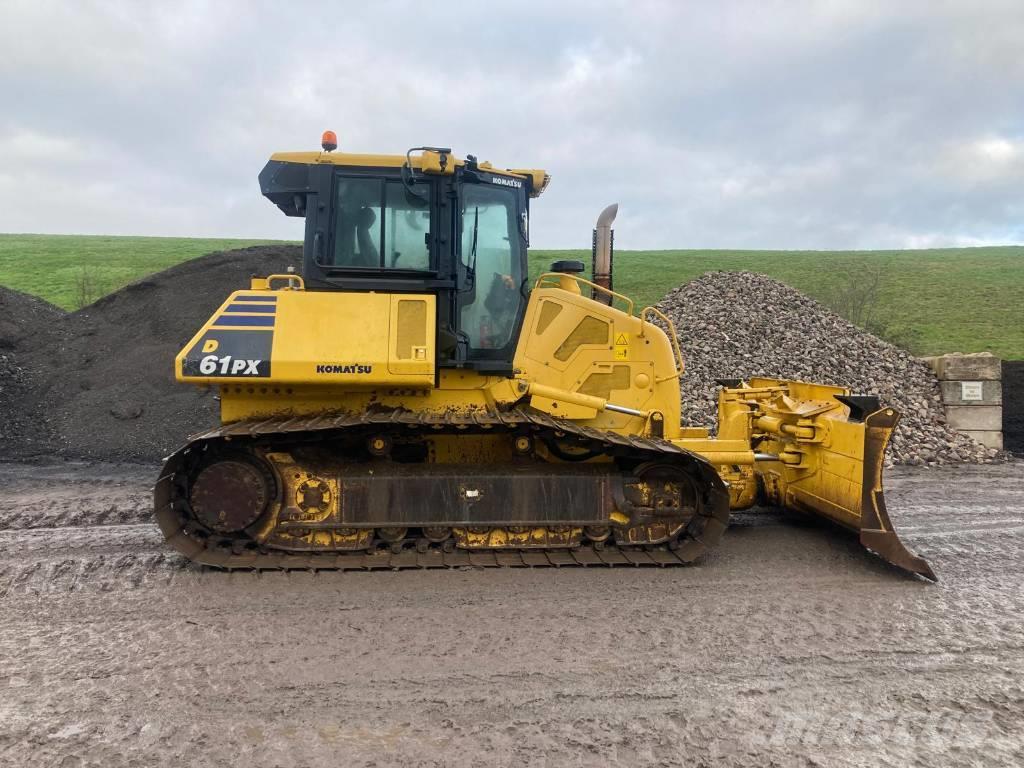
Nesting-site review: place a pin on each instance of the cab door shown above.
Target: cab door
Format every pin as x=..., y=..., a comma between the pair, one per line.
x=492, y=268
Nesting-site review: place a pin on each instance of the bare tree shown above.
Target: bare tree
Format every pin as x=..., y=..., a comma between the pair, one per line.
x=88, y=287
x=855, y=288
x=855, y=292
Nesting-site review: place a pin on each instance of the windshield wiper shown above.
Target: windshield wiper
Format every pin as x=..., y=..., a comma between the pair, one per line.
x=471, y=267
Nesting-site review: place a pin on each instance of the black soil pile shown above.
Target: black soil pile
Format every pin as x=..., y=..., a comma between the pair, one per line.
x=27, y=323
x=105, y=386
x=1013, y=406
x=23, y=318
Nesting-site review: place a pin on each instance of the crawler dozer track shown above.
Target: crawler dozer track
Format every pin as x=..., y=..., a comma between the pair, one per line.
x=364, y=491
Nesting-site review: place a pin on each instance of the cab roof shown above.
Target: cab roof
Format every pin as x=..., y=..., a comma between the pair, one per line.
x=429, y=161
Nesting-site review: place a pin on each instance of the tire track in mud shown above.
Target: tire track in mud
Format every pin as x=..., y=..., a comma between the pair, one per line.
x=134, y=556
x=788, y=646
x=589, y=736
x=102, y=557
x=67, y=494
x=955, y=537
x=443, y=700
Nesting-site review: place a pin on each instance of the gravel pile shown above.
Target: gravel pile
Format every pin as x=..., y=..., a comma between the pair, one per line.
x=104, y=383
x=741, y=324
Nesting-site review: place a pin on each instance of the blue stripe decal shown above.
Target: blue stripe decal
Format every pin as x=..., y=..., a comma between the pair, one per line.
x=261, y=308
x=265, y=322
x=229, y=329
x=255, y=298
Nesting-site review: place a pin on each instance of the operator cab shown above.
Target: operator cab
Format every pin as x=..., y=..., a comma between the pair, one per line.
x=418, y=224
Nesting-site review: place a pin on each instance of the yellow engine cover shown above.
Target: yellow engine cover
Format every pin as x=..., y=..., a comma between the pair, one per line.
x=313, y=338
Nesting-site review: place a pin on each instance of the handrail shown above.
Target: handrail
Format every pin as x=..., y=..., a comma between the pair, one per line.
x=676, y=351
x=561, y=275
x=295, y=282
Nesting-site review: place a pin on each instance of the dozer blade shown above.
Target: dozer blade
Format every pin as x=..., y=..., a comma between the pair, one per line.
x=824, y=461
x=876, y=530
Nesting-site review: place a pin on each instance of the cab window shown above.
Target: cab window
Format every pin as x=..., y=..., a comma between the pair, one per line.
x=380, y=224
x=491, y=259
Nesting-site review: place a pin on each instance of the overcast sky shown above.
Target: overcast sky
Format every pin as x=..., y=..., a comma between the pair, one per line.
x=845, y=124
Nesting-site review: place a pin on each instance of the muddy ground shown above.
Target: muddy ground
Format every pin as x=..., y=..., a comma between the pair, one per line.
x=787, y=646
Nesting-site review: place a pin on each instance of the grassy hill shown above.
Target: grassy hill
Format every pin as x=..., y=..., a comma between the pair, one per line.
x=931, y=301
x=62, y=267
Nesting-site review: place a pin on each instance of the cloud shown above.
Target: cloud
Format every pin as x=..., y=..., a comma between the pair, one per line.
x=744, y=125
x=983, y=161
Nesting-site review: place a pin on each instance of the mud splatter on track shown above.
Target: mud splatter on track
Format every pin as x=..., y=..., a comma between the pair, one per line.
x=787, y=646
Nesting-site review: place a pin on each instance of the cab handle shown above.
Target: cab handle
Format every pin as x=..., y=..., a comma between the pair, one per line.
x=292, y=282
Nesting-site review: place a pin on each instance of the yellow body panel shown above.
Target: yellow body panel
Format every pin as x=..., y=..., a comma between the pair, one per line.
x=573, y=343
x=457, y=390
x=427, y=162
x=319, y=338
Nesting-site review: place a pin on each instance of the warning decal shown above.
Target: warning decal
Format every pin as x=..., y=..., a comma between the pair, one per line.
x=622, y=346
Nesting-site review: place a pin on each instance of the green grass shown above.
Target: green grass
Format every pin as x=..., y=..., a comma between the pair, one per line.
x=932, y=301
x=54, y=266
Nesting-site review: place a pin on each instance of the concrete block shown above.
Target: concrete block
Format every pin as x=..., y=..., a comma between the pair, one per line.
x=971, y=418
x=953, y=392
x=989, y=438
x=933, y=362
x=982, y=366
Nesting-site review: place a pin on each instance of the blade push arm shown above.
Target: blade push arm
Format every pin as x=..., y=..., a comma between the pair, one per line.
x=815, y=449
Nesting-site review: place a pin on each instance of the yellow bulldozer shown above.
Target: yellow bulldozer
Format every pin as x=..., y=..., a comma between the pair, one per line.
x=413, y=399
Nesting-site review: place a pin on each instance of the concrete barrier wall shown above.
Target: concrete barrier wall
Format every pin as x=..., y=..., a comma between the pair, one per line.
x=972, y=394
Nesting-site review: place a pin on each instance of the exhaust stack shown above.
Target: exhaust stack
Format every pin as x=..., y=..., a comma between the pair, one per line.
x=603, y=249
